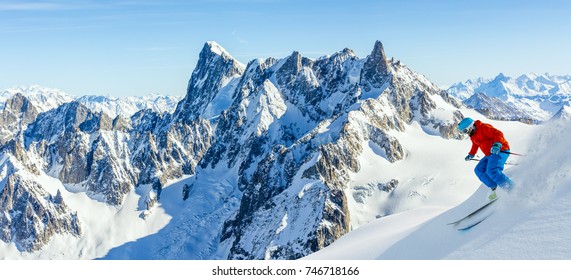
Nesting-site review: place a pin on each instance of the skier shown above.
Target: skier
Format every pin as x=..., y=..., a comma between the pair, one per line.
x=496, y=150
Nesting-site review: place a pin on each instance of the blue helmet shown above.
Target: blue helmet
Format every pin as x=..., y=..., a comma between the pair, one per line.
x=465, y=123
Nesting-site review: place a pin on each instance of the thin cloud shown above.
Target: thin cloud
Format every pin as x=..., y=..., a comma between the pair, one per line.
x=62, y=5
x=32, y=6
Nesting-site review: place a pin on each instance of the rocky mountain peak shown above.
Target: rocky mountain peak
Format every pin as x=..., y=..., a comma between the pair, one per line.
x=18, y=104
x=18, y=112
x=215, y=70
x=348, y=51
x=501, y=78
x=215, y=48
x=293, y=63
x=376, y=68
x=211, y=53
x=378, y=59
x=291, y=68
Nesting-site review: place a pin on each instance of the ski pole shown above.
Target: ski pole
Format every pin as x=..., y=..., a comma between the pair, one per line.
x=508, y=163
x=515, y=154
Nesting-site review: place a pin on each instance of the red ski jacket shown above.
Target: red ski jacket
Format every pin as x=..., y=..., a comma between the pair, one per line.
x=485, y=135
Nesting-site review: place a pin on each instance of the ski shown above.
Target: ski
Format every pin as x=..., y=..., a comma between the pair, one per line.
x=474, y=212
x=465, y=228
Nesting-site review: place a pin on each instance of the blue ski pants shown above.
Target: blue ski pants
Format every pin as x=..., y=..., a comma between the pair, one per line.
x=490, y=169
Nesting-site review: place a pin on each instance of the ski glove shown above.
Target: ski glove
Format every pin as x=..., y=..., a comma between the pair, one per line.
x=469, y=157
x=496, y=148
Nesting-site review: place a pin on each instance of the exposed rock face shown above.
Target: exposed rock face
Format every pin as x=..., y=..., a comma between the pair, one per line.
x=165, y=152
x=18, y=112
x=79, y=147
x=212, y=83
x=29, y=216
x=376, y=69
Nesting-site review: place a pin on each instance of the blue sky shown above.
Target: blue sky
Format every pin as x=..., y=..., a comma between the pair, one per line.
x=123, y=48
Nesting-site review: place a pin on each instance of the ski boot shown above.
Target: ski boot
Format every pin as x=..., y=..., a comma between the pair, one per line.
x=492, y=194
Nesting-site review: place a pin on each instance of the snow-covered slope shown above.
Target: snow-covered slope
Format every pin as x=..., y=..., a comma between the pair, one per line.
x=531, y=222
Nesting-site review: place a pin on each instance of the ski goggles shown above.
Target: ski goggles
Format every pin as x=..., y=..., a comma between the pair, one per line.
x=467, y=130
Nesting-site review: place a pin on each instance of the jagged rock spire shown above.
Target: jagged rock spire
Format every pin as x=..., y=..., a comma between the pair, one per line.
x=378, y=60
x=376, y=68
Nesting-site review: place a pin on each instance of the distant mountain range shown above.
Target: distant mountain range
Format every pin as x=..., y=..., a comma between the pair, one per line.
x=530, y=98
x=45, y=99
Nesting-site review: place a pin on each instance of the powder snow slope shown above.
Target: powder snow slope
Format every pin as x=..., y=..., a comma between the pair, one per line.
x=531, y=222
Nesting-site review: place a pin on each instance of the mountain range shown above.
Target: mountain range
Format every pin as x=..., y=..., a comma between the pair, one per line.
x=529, y=98
x=275, y=159
x=45, y=99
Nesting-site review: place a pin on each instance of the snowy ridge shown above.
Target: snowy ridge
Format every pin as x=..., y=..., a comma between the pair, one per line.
x=128, y=106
